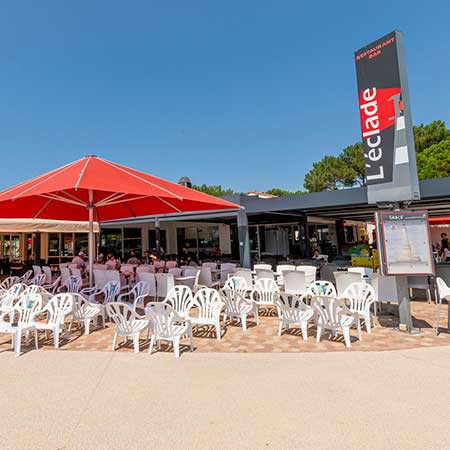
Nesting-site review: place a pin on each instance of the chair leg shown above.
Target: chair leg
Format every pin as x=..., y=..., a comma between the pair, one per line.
x=152, y=342
x=56, y=337
x=319, y=332
x=191, y=345
x=36, y=342
x=304, y=326
x=18, y=336
x=86, y=326
x=256, y=316
x=368, y=321
x=114, y=342
x=176, y=346
x=244, y=322
x=346, y=333
x=224, y=319
x=438, y=315
x=218, y=334
x=358, y=325
x=136, y=342
x=280, y=328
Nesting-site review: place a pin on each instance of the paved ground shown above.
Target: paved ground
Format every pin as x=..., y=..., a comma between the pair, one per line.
x=343, y=400
x=264, y=338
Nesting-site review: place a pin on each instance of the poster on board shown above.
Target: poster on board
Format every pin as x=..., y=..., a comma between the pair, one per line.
x=405, y=243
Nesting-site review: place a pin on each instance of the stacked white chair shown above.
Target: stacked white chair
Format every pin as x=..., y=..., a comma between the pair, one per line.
x=246, y=274
x=128, y=323
x=48, y=274
x=8, y=282
x=57, y=309
x=21, y=319
x=359, y=297
x=171, y=264
x=292, y=311
x=164, y=283
x=150, y=279
x=333, y=314
x=180, y=298
x=295, y=283
x=205, y=277
x=167, y=325
x=226, y=270
x=310, y=273
x=207, y=306
x=145, y=268
x=237, y=306
x=283, y=268
x=175, y=271
x=100, y=277
x=26, y=277
x=262, y=267
x=237, y=284
x=264, y=274
x=10, y=297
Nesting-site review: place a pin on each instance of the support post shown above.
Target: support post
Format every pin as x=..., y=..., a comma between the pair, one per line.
x=404, y=306
x=340, y=235
x=304, y=237
x=37, y=248
x=157, y=237
x=244, y=240
x=91, y=244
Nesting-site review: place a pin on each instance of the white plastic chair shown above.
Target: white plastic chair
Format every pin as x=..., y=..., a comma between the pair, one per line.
x=180, y=298
x=100, y=277
x=109, y=292
x=20, y=319
x=310, y=273
x=265, y=292
x=292, y=311
x=443, y=294
x=207, y=305
x=226, y=269
x=38, y=280
x=57, y=309
x=36, y=289
x=333, y=314
x=147, y=268
x=36, y=270
x=237, y=284
x=264, y=273
x=73, y=285
x=283, y=268
x=139, y=290
x=167, y=325
x=171, y=264
x=359, y=297
x=26, y=277
x=150, y=279
x=53, y=287
x=262, y=267
x=10, y=297
x=84, y=312
x=345, y=279
x=365, y=272
x=128, y=323
x=205, y=277
x=321, y=287
x=164, y=283
x=175, y=271
x=246, y=274
x=48, y=274
x=237, y=306
x=211, y=265
x=295, y=283
x=65, y=274
x=8, y=282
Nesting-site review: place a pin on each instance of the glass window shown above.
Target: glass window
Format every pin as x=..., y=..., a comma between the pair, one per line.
x=152, y=239
x=81, y=243
x=111, y=241
x=67, y=247
x=53, y=244
x=132, y=241
x=208, y=241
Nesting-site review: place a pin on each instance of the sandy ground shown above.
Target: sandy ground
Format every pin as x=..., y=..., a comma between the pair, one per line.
x=99, y=400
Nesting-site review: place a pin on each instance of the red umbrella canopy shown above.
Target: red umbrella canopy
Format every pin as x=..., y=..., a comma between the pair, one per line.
x=118, y=192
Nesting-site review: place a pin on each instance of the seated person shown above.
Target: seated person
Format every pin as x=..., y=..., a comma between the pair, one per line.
x=111, y=262
x=133, y=259
x=79, y=260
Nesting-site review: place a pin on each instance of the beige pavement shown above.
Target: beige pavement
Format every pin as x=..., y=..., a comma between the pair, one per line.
x=98, y=400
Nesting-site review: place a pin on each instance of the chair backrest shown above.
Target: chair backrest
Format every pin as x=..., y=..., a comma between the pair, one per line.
x=8, y=282
x=344, y=279
x=443, y=289
x=99, y=266
x=163, y=318
x=310, y=273
x=244, y=273
x=11, y=296
x=111, y=275
x=39, y=280
x=262, y=267
x=58, y=307
x=147, y=268
x=180, y=299
x=127, y=268
x=76, y=271
x=27, y=307
x=359, y=296
x=226, y=269
x=265, y=291
x=189, y=271
x=363, y=271
x=141, y=288
x=110, y=291
x=171, y=264
x=36, y=270
x=36, y=289
x=321, y=287
x=159, y=265
x=26, y=276
x=284, y=267
x=100, y=278
x=164, y=282
x=208, y=303
x=329, y=310
x=205, y=277
x=295, y=282
x=73, y=284
x=289, y=306
x=122, y=315
x=237, y=284
x=150, y=279
x=48, y=274
x=175, y=271
x=264, y=273
x=211, y=265
x=65, y=274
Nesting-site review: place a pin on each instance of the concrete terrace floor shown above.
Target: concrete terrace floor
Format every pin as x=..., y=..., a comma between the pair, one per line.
x=336, y=400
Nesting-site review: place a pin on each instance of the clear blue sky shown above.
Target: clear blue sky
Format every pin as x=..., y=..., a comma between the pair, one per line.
x=247, y=94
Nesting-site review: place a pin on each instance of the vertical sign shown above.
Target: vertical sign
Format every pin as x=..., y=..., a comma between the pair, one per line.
x=386, y=124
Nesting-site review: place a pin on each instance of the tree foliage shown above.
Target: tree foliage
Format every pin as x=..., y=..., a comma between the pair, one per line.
x=434, y=161
x=347, y=169
x=282, y=193
x=216, y=190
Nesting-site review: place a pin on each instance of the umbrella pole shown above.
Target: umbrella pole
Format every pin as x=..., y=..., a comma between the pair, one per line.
x=91, y=249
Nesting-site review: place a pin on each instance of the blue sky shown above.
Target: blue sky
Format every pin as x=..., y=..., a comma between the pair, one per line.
x=247, y=94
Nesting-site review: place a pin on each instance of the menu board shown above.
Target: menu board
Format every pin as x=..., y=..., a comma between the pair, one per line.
x=405, y=243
